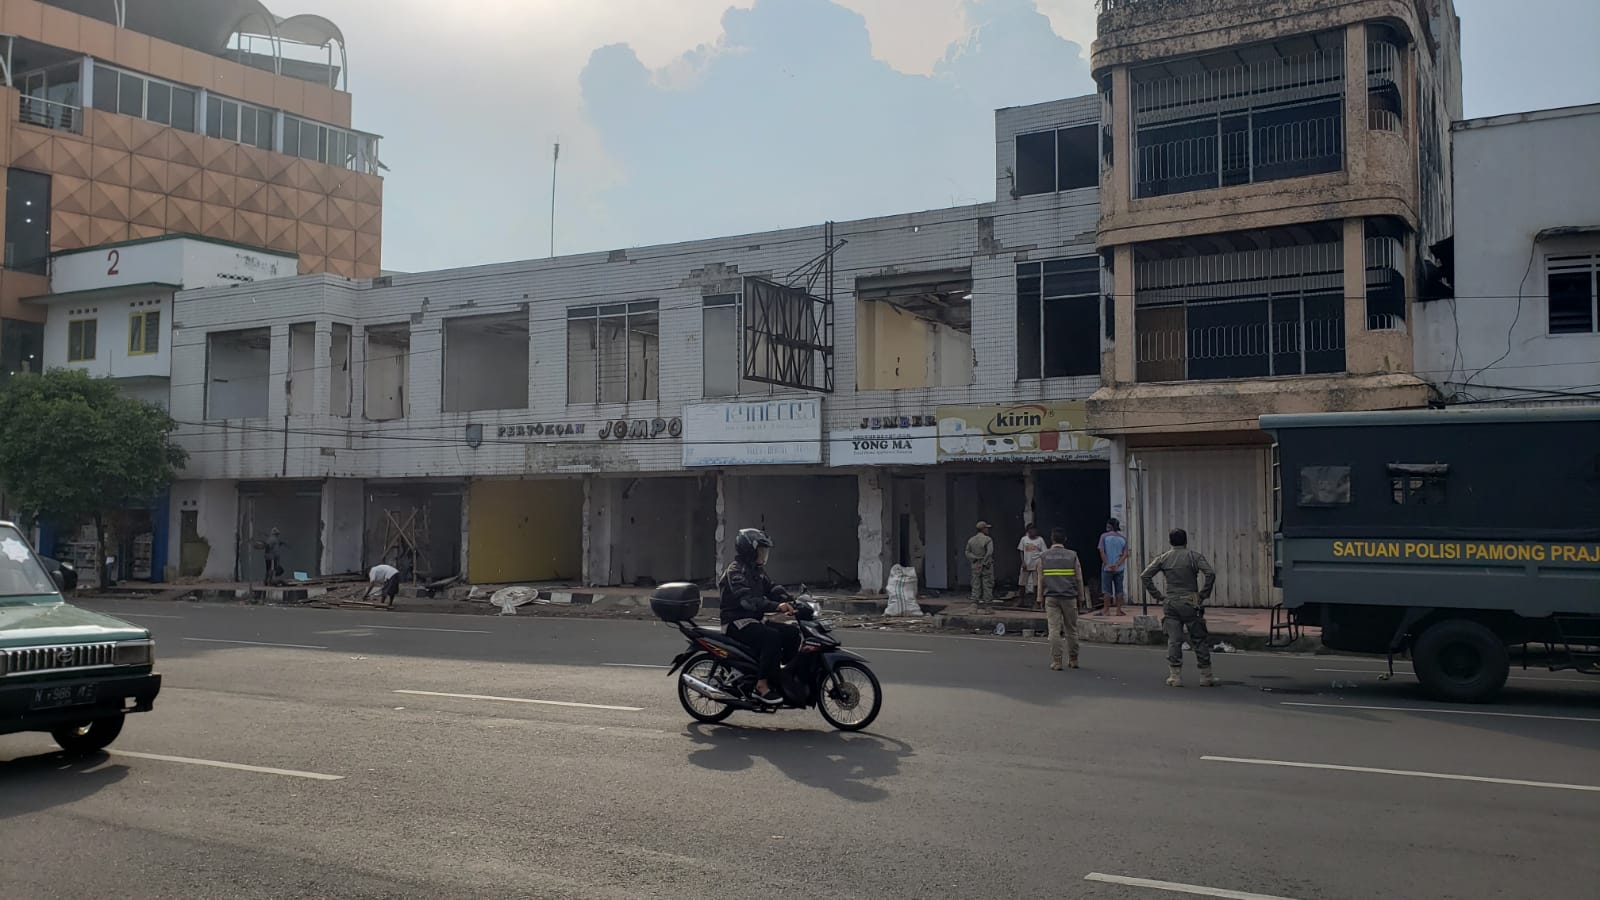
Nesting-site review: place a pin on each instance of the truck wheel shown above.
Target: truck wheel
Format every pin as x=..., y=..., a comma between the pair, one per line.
x=1461, y=661
x=91, y=736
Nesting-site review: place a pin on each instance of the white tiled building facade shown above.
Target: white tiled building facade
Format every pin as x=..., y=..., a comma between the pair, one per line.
x=466, y=420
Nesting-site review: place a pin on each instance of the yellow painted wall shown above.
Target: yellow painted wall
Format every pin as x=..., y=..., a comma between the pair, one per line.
x=524, y=531
x=892, y=350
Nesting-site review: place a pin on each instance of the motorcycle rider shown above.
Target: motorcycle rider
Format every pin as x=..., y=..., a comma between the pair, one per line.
x=748, y=595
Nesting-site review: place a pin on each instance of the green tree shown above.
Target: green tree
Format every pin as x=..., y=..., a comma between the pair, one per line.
x=74, y=448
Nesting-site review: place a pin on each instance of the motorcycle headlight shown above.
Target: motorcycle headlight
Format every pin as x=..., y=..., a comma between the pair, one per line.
x=136, y=653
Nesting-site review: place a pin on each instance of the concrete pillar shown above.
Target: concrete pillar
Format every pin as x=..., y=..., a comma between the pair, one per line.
x=1355, y=102
x=321, y=375
x=1117, y=189
x=466, y=525
x=724, y=551
x=1028, y=484
x=1119, y=480
x=587, y=529
x=1357, y=355
x=278, y=366
x=870, y=531
x=601, y=502
x=936, y=494
x=1125, y=349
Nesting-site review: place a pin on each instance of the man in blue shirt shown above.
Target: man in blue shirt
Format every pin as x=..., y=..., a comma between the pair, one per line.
x=1113, y=568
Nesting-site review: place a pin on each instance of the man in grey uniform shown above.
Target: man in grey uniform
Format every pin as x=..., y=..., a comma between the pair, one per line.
x=1183, y=605
x=1060, y=586
x=980, y=554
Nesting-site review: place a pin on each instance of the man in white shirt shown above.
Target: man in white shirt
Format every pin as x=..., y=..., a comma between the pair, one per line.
x=385, y=578
x=1032, y=548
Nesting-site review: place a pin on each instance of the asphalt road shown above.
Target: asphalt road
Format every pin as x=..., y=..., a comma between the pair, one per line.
x=987, y=775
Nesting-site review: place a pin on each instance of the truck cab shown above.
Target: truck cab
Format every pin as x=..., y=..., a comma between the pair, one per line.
x=1452, y=535
x=65, y=671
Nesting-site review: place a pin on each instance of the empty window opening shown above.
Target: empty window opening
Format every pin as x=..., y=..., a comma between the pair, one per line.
x=1384, y=60
x=383, y=374
x=1386, y=278
x=613, y=352
x=1061, y=159
x=339, y=386
x=1058, y=318
x=27, y=221
x=722, y=342
x=144, y=332
x=1203, y=310
x=302, y=368
x=486, y=362
x=1574, y=288
x=1418, y=484
x=1258, y=113
x=238, y=370
x=81, y=339
x=914, y=330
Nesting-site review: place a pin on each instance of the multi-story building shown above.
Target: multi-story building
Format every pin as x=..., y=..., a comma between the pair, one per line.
x=1273, y=176
x=866, y=391
x=125, y=121
x=1521, y=321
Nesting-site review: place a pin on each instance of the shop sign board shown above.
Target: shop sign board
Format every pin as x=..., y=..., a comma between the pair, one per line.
x=753, y=433
x=884, y=447
x=1027, y=432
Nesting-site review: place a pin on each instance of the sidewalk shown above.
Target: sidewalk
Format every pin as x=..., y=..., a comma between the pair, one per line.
x=1243, y=629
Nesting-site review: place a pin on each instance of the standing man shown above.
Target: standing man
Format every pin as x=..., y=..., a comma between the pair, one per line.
x=272, y=548
x=385, y=578
x=1113, y=567
x=1060, y=586
x=1184, y=605
x=980, y=553
x=1032, y=547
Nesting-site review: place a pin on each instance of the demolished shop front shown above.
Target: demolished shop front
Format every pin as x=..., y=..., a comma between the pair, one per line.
x=1012, y=464
x=767, y=459
x=901, y=516
x=646, y=526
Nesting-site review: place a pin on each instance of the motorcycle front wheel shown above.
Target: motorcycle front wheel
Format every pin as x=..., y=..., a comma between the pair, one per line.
x=699, y=707
x=851, y=697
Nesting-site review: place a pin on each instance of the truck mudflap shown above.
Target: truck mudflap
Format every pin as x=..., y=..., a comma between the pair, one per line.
x=43, y=705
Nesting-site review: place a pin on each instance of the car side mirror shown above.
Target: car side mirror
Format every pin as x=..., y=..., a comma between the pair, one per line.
x=65, y=577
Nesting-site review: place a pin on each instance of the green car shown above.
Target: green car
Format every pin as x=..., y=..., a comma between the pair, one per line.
x=63, y=670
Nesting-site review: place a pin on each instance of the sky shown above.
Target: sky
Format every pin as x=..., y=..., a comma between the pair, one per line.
x=685, y=119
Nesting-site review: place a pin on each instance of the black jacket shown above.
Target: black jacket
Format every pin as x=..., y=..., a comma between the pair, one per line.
x=747, y=593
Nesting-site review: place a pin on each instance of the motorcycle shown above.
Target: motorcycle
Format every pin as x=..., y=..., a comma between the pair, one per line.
x=717, y=674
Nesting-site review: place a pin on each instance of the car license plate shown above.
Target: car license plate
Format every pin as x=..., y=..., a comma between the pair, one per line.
x=67, y=695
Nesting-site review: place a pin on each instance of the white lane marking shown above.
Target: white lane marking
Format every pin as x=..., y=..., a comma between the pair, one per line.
x=886, y=650
x=635, y=666
x=255, y=643
x=1177, y=888
x=523, y=700
x=418, y=628
x=1371, y=771
x=1594, y=681
x=216, y=764
x=1442, y=712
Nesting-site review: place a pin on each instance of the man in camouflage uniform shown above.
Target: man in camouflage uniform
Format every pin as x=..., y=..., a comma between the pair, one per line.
x=1183, y=605
x=980, y=553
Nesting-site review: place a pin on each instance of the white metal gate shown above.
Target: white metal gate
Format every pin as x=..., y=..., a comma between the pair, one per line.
x=1223, y=498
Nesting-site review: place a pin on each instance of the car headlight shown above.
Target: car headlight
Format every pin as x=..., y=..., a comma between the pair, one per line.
x=136, y=653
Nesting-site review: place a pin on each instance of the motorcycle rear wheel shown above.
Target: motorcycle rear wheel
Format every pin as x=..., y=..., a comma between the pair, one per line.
x=844, y=701
x=703, y=709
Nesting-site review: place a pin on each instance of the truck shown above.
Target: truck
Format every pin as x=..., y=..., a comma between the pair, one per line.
x=1458, y=536
x=66, y=671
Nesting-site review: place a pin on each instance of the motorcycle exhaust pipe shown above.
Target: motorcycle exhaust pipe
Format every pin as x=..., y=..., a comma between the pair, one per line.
x=706, y=690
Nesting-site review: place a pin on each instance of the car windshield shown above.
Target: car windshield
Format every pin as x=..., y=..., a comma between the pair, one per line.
x=21, y=573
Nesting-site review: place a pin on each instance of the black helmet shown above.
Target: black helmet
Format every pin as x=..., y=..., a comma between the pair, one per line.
x=749, y=543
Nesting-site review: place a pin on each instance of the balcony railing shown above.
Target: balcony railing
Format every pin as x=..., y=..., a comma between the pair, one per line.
x=50, y=114
x=1266, y=347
